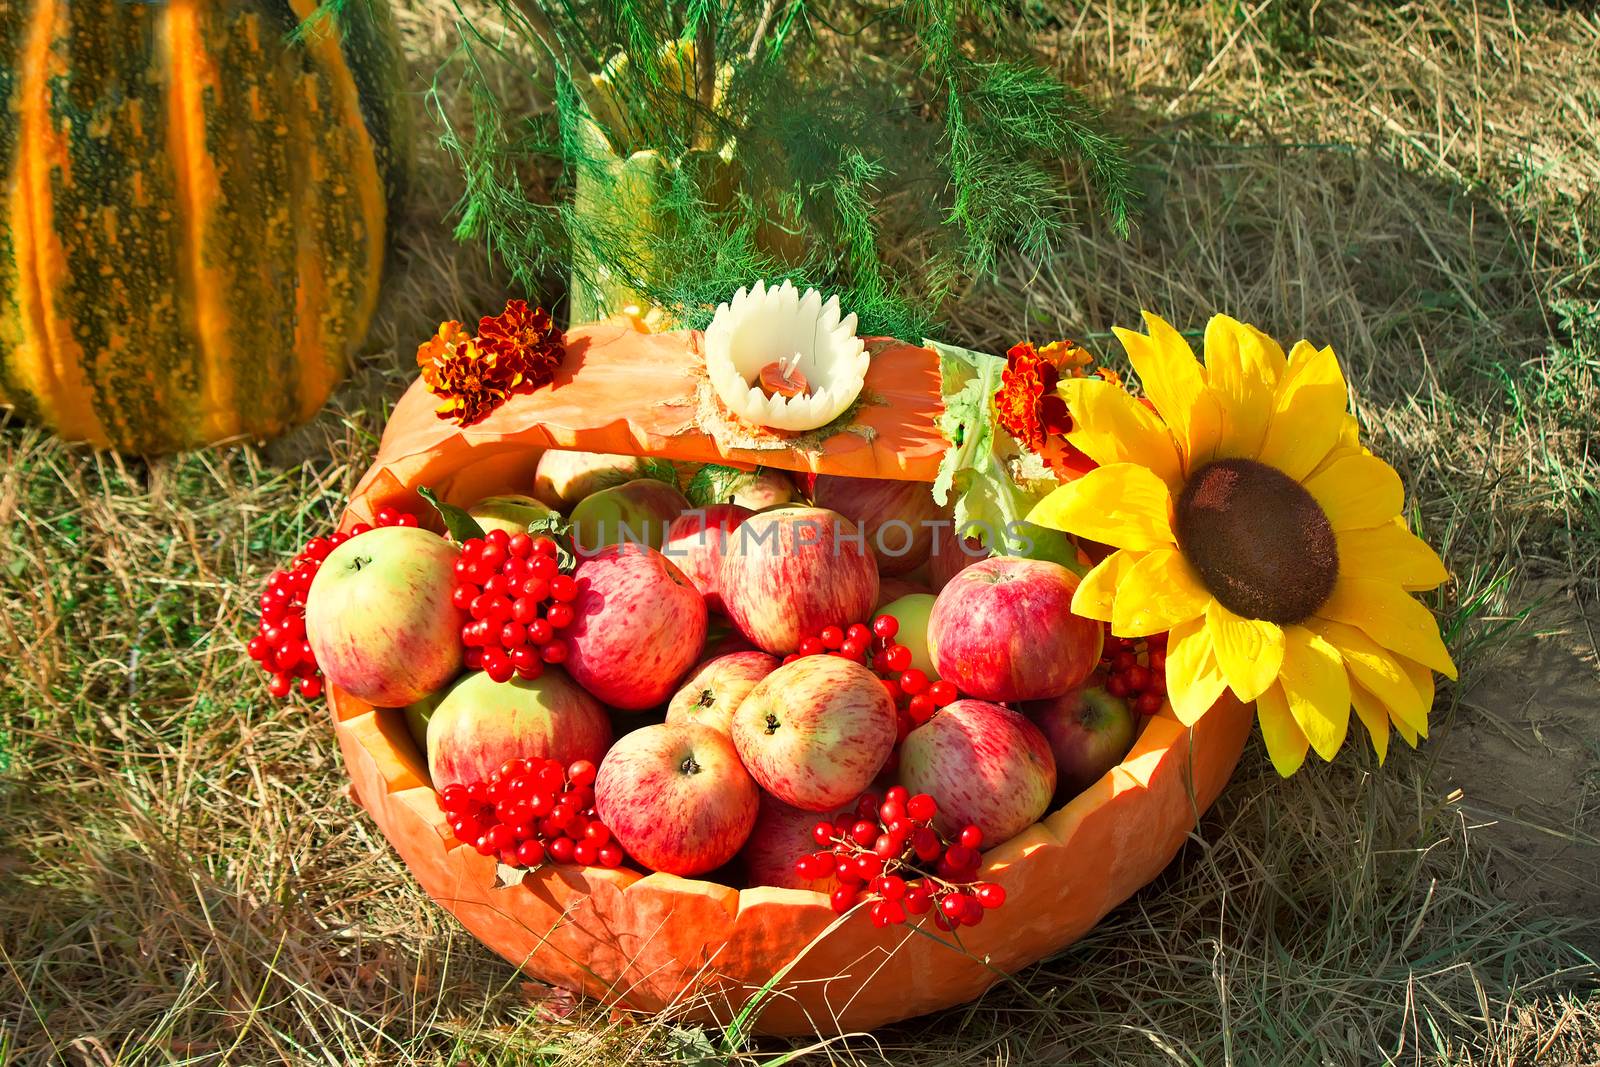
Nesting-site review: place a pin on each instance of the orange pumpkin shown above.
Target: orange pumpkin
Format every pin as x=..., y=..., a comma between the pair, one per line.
x=654, y=941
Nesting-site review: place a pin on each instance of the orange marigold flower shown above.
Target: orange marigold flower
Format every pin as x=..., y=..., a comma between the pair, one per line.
x=1027, y=405
x=515, y=352
x=524, y=340
x=470, y=382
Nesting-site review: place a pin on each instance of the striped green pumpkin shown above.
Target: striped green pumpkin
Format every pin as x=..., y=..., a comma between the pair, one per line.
x=194, y=212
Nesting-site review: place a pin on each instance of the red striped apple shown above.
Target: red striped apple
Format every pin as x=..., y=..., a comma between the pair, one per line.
x=714, y=692
x=782, y=835
x=481, y=723
x=892, y=589
x=1003, y=630
x=638, y=626
x=1089, y=730
x=789, y=572
x=816, y=732
x=898, y=517
x=951, y=555
x=379, y=616
x=984, y=764
x=676, y=797
x=695, y=541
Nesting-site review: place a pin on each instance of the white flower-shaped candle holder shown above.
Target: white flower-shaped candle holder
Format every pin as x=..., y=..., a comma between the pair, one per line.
x=785, y=359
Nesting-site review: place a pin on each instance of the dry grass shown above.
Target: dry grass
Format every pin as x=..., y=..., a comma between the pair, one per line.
x=182, y=879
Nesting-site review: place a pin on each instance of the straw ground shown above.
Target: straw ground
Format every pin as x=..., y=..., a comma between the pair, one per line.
x=183, y=879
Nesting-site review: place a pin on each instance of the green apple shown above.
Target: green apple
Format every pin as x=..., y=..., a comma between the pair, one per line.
x=510, y=512
x=418, y=714
x=635, y=512
x=912, y=612
x=565, y=477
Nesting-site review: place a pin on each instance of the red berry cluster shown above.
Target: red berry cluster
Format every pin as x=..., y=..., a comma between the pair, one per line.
x=530, y=811
x=916, y=696
x=280, y=644
x=518, y=599
x=890, y=852
x=1134, y=673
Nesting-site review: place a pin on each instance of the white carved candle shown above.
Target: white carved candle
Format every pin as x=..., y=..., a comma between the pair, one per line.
x=784, y=359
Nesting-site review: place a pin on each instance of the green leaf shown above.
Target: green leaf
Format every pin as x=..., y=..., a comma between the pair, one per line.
x=461, y=526
x=560, y=531
x=993, y=482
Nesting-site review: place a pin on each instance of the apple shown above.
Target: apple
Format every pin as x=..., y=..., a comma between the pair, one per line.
x=789, y=572
x=638, y=626
x=1003, y=630
x=418, y=714
x=1089, y=730
x=951, y=555
x=563, y=477
x=676, y=797
x=715, y=691
x=379, y=616
x=814, y=733
x=898, y=517
x=756, y=490
x=509, y=512
x=984, y=764
x=481, y=723
x=891, y=589
x=695, y=541
x=722, y=638
x=635, y=512
x=912, y=613
x=782, y=834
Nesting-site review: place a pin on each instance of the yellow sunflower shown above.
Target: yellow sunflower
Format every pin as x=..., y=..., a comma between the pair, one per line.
x=1249, y=522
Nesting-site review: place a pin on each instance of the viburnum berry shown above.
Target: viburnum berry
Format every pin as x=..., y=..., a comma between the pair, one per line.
x=886, y=853
x=1135, y=670
x=280, y=644
x=528, y=812
x=517, y=599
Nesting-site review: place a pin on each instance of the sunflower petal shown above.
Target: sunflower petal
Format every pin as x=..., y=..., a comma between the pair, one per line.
x=1317, y=689
x=1376, y=671
x=1272, y=355
x=1422, y=678
x=1286, y=742
x=1156, y=593
x=1358, y=492
x=1349, y=445
x=1244, y=378
x=1110, y=426
x=1391, y=617
x=1194, y=681
x=1176, y=385
x=1308, y=412
x=1123, y=505
x=1249, y=651
x=1390, y=553
x=1098, y=590
x=1373, y=715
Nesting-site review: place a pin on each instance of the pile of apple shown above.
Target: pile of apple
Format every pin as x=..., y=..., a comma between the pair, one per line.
x=717, y=688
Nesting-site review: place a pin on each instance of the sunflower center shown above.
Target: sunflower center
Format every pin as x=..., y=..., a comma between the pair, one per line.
x=1261, y=543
